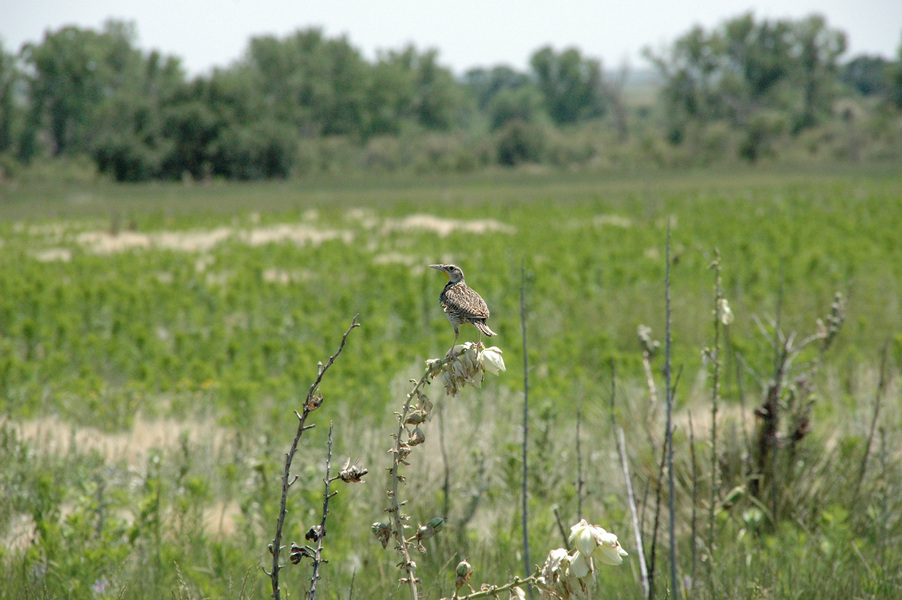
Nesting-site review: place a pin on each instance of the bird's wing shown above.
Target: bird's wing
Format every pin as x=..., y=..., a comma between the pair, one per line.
x=468, y=303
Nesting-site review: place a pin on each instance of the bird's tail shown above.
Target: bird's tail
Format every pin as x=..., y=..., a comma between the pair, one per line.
x=483, y=328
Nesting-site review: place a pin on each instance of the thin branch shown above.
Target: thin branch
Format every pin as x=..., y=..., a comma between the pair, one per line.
x=312, y=402
x=715, y=399
x=560, y=526
x=579, y=466
x=318, y=554
x=621, y=451
x=657, y=519
x=446, y=463
x=878, y=400
x=492, y=591
x=525, y=498
x=668, y=374
x=694, y=497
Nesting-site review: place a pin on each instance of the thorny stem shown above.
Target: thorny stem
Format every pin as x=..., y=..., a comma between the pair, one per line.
x=276, y=547
x=394, y=509
x=318, y=554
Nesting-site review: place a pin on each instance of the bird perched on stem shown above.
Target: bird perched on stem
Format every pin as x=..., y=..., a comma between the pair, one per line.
x=462, y=304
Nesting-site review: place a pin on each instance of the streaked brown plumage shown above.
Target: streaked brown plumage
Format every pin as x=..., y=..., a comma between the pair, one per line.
x=462, y=304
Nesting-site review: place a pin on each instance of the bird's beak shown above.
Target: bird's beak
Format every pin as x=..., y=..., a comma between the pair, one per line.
x=442, y=269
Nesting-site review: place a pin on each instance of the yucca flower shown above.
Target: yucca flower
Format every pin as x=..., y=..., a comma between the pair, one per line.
x=592, y=540
x=468, y=367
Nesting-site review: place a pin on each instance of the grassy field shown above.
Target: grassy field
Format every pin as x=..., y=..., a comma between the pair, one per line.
x=155, y=341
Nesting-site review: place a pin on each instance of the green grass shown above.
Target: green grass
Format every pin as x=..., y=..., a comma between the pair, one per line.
x=220, y=341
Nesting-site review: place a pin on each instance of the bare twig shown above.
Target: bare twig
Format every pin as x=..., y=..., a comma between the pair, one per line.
x=692, y=542
x=878, y=400
x=624, y=464
x=560, y=527
x=446, y=463
x=668, y=369
x=321, y=533
x=313, y=401
x=657, y=519
x=492, y=591
x=715, y=400
x=579, y=466
x=525, y=509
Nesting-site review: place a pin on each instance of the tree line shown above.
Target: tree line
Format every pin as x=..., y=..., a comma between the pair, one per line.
x=307, y=102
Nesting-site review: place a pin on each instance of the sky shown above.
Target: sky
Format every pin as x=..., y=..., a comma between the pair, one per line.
x=467, y=33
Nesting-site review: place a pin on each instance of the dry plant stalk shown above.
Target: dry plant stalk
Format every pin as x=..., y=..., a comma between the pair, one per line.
x=313, y=401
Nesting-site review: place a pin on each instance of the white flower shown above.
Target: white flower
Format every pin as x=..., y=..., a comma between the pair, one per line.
x=609, y=550
x=490, y=360
x=468, y=366
x=580, y=565
x=582, y=537
x=594, y=541
x=723, y=311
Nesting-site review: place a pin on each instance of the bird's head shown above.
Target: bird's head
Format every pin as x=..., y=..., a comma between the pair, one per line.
x=453, y=272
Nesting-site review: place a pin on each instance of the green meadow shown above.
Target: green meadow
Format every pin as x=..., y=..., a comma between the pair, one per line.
x=156, y=339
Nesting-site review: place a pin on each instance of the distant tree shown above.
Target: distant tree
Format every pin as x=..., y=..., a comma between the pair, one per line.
x=867, y=75
x=894, y=80
x=131, y=142
x=485, y=84
x=522, y=104
x=390, y=94
x=570, y=84
x=747, y=72
x=317, y=84
x=70, y=73
x=437, y=97
x=9, y=77
x=818, y=49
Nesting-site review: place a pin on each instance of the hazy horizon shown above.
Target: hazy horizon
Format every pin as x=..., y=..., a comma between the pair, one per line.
x=205, y=34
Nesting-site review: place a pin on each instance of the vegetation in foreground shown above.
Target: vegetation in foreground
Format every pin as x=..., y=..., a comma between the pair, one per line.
x=156, y=341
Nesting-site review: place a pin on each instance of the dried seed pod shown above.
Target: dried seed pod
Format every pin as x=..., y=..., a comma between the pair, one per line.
x=314, y=533
x=430, y=529
x=416, y=417
x=416, y=438
x=382, y=531
x=314, y=402
x=297, y=553
x=352, y=473
x=463, y=571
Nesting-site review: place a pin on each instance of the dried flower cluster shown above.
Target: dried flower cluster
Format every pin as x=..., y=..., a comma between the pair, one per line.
x=471, y=363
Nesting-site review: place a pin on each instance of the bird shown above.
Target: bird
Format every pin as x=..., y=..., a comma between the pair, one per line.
x=462, y=304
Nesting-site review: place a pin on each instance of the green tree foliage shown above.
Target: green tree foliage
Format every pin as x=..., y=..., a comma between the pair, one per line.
x=894, y=80
x=9, y=77
x=72, y=72
x=571, y=85
x=316, y=84
x=306, y=102
x=131, y=142
x=485, y=84
x=867, y=75
x=751, y=73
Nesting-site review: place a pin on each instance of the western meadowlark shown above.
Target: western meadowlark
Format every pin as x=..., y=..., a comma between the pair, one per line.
x=462, y=304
